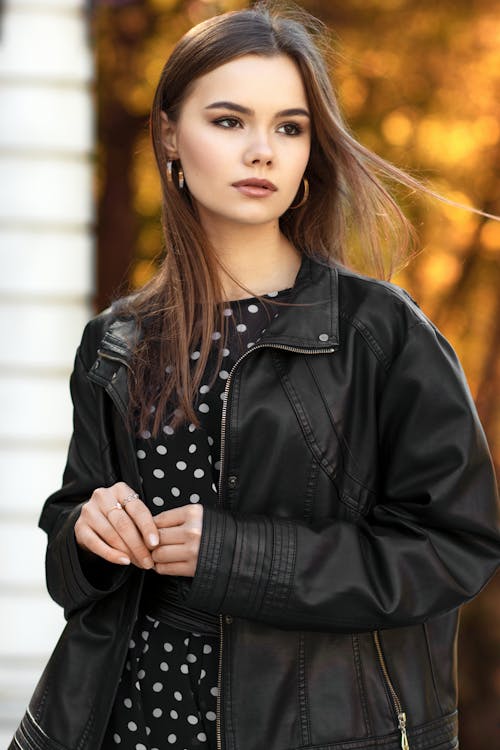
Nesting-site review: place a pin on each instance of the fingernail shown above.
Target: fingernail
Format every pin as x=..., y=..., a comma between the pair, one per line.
x=153, y=539
x=147, y=562
x=124, y=561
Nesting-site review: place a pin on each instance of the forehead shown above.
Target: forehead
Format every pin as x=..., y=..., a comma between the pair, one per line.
x=252, y=80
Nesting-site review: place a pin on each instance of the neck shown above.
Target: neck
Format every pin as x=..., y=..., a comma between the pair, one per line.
x=259, y=258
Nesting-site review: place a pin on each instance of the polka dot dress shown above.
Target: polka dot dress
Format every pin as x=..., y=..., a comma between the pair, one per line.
x=167, y=695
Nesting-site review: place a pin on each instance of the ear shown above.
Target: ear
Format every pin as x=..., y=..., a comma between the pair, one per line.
x=169, y=136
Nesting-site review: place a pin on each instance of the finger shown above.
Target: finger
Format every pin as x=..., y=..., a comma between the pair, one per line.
x=91, y=541
x=126, y=529
x=170, y=553
x=118, y=495
x=105, y=502
x=141, y=515
x=178, y=516
x=92, y=517
x=103, y=498
x=108, y=511
x=173, y=535
x=176, y=569
x=92, y=520
x=102, y=526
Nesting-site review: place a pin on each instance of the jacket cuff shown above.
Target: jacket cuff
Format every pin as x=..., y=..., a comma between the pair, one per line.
x=86, y=576
x=261, y=577
x=245, y=564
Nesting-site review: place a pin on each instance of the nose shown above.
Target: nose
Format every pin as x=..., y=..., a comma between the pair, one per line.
x=259, y=151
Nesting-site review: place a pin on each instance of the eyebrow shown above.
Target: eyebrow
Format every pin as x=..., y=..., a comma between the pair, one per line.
x=246, y=111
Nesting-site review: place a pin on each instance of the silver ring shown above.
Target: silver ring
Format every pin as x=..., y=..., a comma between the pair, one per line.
x=131, y=496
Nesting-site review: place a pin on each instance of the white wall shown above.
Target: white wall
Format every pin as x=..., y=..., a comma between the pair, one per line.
x=46, y=278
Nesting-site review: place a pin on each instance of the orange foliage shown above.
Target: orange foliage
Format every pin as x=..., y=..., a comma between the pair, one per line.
x=419, y=84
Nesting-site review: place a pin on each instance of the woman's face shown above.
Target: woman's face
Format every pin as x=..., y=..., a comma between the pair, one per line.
x=244, y=121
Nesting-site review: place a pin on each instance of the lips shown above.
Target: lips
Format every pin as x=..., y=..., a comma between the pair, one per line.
x=256, y=183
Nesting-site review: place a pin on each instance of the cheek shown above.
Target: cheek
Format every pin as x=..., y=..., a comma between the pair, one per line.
x=303, y=155
x=297, y=166
x=199, y=156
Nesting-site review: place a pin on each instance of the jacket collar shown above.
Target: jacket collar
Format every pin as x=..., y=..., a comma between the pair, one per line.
x=313, y=324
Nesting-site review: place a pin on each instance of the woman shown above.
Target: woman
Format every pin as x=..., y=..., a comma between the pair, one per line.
x=278, y=493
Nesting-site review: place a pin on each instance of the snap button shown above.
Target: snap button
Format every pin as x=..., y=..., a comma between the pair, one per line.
x=228, y=619
x=323, y=337
x=232, y=480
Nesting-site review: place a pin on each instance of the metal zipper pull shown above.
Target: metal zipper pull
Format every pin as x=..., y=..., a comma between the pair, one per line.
x=402, y=729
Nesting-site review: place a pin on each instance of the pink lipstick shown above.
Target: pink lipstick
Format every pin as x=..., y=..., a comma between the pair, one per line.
x=255, y=188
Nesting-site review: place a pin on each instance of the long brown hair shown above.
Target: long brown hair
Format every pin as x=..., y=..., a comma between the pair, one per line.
x=350, y=216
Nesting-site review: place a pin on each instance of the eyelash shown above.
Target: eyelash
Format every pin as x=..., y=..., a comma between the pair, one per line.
x=220, y=120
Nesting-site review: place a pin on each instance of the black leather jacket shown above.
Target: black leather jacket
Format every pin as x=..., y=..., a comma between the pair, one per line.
x=357, y=512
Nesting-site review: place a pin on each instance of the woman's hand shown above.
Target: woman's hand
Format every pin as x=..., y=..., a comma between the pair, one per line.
x=180, y=534
x=116, y=525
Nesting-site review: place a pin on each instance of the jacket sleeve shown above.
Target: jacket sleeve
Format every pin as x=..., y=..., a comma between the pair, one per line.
x=429, y=544
x=75, y=577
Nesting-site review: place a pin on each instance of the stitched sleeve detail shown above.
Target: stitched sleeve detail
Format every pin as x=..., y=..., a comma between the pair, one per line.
x=252, y=565
x=283, y=563
x=245, y=565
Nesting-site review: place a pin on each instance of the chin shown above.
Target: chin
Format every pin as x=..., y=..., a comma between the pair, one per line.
x=248, y=218
x=257, y=221
x=247, y=215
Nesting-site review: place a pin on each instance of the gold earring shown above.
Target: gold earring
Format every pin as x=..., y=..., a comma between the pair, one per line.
x=305, y=196
x=169, y=171
x=180, y=173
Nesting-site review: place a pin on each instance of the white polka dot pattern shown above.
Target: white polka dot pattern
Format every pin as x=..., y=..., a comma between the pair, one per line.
x=187, y=459
x=167, y=696
x=155, y=699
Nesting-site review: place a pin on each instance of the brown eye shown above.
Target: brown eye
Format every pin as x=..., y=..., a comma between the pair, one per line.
x=290, y=128
x=227, y=122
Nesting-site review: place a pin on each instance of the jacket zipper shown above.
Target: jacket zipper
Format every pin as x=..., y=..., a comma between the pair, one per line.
x=395, y=698
x=219, y=500
x=222, y=444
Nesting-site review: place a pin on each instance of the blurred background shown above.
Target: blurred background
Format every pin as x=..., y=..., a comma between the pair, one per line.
x=419, y=84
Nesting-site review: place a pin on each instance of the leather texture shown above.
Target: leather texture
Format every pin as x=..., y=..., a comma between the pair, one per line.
x=357, y=511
